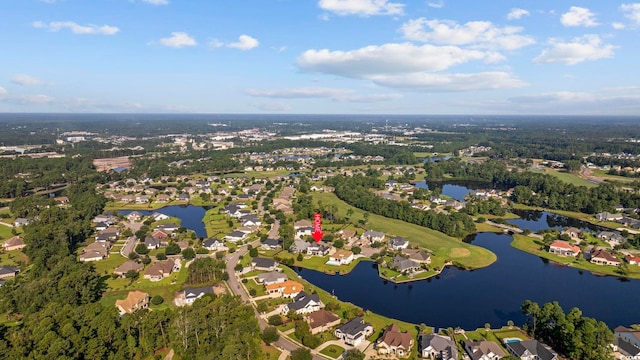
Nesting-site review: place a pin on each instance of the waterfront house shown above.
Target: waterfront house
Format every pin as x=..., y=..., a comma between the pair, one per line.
x=629, y=335
x=340, y=257
x=531, y=350
x=483, y=350
x=272, y=277
x=303, y=303
x=354, y=331
x=418, y=256
x=299, y=246
x=626, y=349
x=318, y=249
x=563, y=248
x=394, y=342
x=434, y=346
x=633, y=259
x=403, y=265
x=134, y=216
x=574, y=233
x=212, y=244
x=607, y=216
x=601, y=257
x=398, y=243
x=286, y=289
x=263, y=264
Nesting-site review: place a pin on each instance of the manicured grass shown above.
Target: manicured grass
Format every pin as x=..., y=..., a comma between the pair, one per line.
x=535, y=247
x=603, y=174
x=318, y=263
x=217, y=224
x=569, y=178
x=572, y=214
x=270, y=352
x=444, y=247
x=106, y=266
x=5, y=231
x=333, y=351
x=252, y=284
x=484, y=227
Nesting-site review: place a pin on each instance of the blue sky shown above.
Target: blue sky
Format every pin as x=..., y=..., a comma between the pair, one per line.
x=321, y=56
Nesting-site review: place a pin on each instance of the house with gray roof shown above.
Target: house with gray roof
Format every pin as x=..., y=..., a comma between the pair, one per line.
x=434, y=346
x=271, y=244
x=212, y=244
x=531, y=350
x=398, y=243
x=626, y=349
x=264, y=264
x=402, y=264
x=8, y=271
x=372, y=236
x=152, y=243
x=191, y=294
x=304, y=303
x=354, y=331
x=273, y=277
x=483, y=350
x=235, y=236
x=299, y=246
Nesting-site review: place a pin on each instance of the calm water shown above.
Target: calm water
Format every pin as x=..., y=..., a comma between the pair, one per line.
x=493, y=294
x=540, y=220
x=190, y=216
x=457, y=192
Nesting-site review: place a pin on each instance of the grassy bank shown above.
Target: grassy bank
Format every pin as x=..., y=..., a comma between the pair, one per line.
x=444, y=247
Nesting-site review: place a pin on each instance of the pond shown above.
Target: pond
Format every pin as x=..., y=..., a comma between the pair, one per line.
x=190, y=216
x=540, y=220
x=493, y=295
x=454, y=191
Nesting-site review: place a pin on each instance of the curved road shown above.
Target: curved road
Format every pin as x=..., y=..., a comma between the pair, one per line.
x=234, y=285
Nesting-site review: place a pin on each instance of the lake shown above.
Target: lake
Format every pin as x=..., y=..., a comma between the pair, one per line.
x=494, y=294
x=454, y=191
x=540, y=220
x=190, y=216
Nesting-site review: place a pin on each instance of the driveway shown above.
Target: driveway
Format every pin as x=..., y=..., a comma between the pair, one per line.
x=129, y=246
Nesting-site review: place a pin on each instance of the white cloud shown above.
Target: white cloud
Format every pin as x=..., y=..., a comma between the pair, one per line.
x=178, y=40
x=618, y=26
x=516, y=14
x=436, y=5
x=389, y=59
x=245, y=42
x=585, y=48
x=28, y=99
x=3, y=91
x=156, y=2
x=450, y=82
x=632, y=11
x=340, y=95
x=477, y=34
x=77, y=28
x=25, y=80
x=272, y=106
x=362, y=7
x=578, y=16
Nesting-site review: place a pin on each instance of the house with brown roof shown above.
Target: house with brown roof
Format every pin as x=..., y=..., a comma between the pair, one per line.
x=394, y=342
x=286, y=289
x=340, y=257
x=135, y=301
x=161, y=270
x=629, y=335
x=574, y=233
x=602, y=257
x=95, y=251
x=14, y=243
x=483, y=350
x=321, y=321
x=128, y=266
x=418, y=256
x=563, y=248
x=633, y=259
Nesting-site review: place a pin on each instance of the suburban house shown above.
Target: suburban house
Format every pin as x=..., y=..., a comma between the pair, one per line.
x=340, y=257
x=563, y=248
x=264, y=264
x=135, y=301
x=183, y=197
x=272, y=277
x=235, y=236
x=602, y=257
x=95, y=251
x=212, y=244
x=108, y=234
x=101, y=226
x=152, y=243
x=128, y=266
x=483, y=350
x=158, y=216
x=134, y=216
x=303, y=303
x=531, y=350
x=347, y=234
x=302, y=224
x=167, y=228
x=418, y=256
x=161, y=270
x=372, y=236
x=434, y=346
x=304, y=231
x=318, y=249
x=21, y=222
x=607, y=216
x=271, y=244
x=191, y=294
x=8, y=271
x=627, y=350
x=353, y=331
x=632, y=260
x=163, y=198
x=629, y=335
x=286, y=289
x=321, y=321
x=299, y=246
x=402, y=264
x=611, y=236
x=398, y=243
x=160, y=235
x=14, y=243
x=574, y=233
x=393, y=341
x=251, y=220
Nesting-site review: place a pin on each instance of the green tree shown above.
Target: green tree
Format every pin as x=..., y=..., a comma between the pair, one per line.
x=188, y=253
x=142, y=249
x=270, y=335
x=274, y=320
x=301, y=354
x=353, y=354
x=157, y=300
x=172, y=249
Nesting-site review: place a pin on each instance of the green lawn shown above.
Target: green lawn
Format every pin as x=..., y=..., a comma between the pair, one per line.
x=270, y=352
x=444, y=248
x=572, y=214
x=12, y=258
x=333, y=351
x=603, y=174
x=252, y=284
x=106, y=266
x=535, y=247
x=569, y=177
x=5, y=231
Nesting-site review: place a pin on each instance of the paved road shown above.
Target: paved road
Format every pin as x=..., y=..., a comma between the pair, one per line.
x=129, y=246
x=234, y=285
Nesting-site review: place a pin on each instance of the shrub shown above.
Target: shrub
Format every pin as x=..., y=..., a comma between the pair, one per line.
x=157, y=300
x=274, y=320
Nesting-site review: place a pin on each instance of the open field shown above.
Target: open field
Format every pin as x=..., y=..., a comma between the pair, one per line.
x=445, y=248
x=12, y=258
x=569, y=177
x=603, y=174
x=5, y=232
